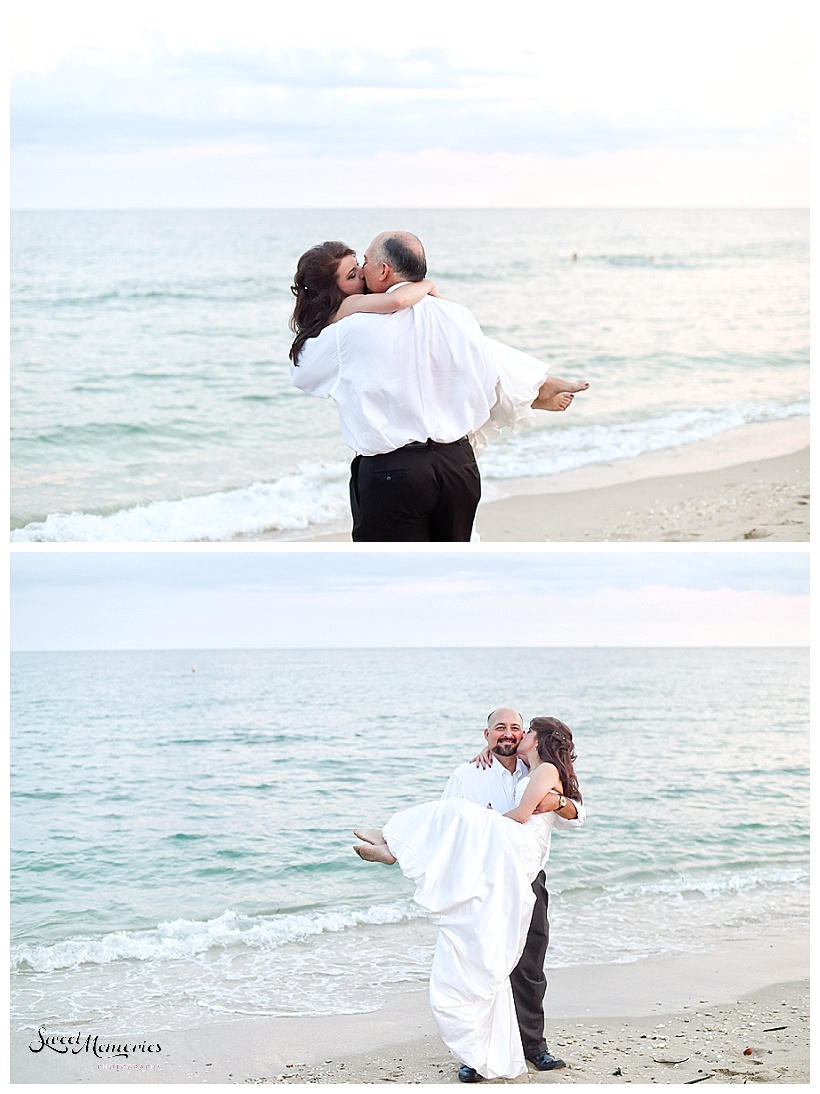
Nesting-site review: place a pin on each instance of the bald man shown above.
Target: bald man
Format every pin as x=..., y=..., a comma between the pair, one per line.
x=409, y=388
x=496, y=786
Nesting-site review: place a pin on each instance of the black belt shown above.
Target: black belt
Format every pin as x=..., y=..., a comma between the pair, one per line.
x=429, y=443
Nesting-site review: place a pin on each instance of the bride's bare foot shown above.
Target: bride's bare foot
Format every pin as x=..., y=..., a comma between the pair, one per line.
x=374, y=852
x=553, y=386
x=370, y=835
x=560, y=401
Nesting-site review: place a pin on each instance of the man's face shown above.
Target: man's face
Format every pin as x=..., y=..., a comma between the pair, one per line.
x=373, y=271
x=504, y=732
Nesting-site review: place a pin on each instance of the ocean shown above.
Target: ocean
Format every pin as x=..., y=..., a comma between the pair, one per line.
x=150, y=395
x=181, y=821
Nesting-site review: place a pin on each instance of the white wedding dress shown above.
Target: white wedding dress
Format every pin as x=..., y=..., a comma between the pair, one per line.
x=519, y=378
x=473, y=869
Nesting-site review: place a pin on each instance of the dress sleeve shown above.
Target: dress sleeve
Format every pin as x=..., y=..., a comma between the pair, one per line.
x=519, y=378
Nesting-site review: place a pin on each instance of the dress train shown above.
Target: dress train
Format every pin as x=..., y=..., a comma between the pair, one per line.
x=519, y=379
x=473, y=869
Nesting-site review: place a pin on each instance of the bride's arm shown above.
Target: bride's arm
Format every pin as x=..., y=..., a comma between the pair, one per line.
x=383, y=303
x=543, y=781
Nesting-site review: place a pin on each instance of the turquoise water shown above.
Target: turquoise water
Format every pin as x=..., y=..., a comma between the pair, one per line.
x=181, y=828
x=150, y=393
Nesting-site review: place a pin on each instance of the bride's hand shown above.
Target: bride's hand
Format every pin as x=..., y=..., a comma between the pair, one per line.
x=483, y=759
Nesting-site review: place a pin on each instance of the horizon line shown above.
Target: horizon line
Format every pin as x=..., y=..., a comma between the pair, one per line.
x=257, y=649
x=404, y=208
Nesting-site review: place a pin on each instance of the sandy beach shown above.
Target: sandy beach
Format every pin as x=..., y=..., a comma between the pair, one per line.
x=740, y=1014
x=749, y=484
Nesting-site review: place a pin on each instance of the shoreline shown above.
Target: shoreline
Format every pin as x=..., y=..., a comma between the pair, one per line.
x=679, y=1018
x=750, y=483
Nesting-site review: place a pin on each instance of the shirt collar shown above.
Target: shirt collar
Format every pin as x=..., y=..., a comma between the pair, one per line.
x=519, y=771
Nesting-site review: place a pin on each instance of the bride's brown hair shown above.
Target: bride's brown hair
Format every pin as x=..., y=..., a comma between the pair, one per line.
x=317, y=294
x=555, y=746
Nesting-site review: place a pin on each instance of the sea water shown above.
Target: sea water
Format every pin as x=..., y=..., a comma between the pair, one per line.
x=151, y=397
x=182, y=822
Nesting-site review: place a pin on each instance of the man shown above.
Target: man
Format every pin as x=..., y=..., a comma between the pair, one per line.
x=409, y=387
x=495, y=786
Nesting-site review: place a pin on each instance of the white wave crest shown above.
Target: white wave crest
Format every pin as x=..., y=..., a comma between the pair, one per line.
x=319, y=495
x=548, y=452
x=315, y=495
x=185, y=938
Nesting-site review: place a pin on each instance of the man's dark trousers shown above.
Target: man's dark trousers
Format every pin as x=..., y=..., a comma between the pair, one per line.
x=425, y=491
x=528, y=980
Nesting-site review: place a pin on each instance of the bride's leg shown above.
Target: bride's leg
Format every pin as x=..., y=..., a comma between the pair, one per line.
x=370, y=835
x=374, y=852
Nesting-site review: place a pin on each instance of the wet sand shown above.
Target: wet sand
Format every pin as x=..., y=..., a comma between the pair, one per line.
x=737, y=1014
x=751, y=484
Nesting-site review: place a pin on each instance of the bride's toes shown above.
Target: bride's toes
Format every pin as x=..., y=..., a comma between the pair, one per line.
x=369, y=835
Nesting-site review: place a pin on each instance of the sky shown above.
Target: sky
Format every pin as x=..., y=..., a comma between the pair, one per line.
x=260, y=103
x=211, y=599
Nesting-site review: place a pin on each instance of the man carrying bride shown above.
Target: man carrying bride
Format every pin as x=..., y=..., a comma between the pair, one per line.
x=419, y=388
x=477, y=858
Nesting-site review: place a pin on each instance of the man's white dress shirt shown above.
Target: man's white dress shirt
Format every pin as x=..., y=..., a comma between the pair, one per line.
x=422, y=372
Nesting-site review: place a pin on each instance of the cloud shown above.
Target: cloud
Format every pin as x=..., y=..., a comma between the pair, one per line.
x=312, y=101
x=549, y=574
x=779, y=573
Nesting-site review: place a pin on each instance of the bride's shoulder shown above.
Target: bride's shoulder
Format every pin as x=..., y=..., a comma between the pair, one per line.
x=545, y=775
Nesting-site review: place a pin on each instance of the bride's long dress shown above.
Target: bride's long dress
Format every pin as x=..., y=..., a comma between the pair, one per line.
x=473, y=870
x=519, y=378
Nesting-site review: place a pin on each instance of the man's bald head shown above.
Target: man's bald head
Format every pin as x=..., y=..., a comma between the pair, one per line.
x=393, y=257
x=507, y=712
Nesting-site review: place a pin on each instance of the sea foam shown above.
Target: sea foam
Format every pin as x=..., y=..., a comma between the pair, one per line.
x=185, y=938
x=317, y=496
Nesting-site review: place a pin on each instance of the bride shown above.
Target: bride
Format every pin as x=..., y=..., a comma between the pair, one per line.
x=329, y=286
x=473, y=869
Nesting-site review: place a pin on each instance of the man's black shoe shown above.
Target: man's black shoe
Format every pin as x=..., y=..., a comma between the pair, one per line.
x=544, y=1062
x=468, y=1075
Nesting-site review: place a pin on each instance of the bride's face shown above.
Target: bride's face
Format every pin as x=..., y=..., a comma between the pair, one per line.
x=528, y=746
x=349, y=276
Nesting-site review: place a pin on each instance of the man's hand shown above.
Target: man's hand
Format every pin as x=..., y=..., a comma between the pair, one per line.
x=549, y=804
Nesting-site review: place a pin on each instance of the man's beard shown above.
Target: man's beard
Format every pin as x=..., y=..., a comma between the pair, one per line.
x=505, y=748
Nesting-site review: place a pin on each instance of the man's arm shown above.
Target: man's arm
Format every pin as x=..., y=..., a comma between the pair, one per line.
x=564, y=817
x=572, y=815
x=454, y=787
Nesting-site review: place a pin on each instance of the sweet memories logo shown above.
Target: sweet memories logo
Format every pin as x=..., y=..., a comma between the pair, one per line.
x=93, y=1045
